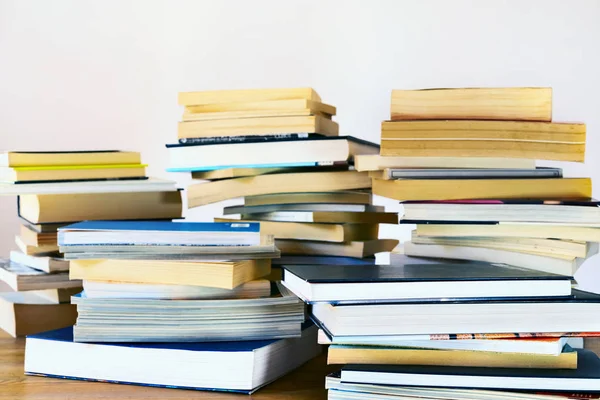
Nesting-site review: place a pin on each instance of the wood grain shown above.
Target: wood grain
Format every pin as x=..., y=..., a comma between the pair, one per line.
x=308, y=382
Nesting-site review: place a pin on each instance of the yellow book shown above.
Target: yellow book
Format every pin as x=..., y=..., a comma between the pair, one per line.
x=263, y=106
x=341, y=197
x=342, y=354
x=458, y=189
x=257, y=126
x=375, y=162
x=32, y=250
x=33, y=238
x=47, y=158
x=71, y=172
x=357, y=249
x=246, y=95
x=218, y=274
x=517, y=103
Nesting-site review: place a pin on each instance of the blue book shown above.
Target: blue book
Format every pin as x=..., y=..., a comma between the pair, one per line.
x=227, y=366
x=160, y=233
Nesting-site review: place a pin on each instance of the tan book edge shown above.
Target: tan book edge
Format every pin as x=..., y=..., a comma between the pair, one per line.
x=35, y=250
x=186, y=117
x=452, y=358
x=262, y=106
x=229, y=173
x=358, y=249
x=225, y=275
x=33, y=238
x=17, y=159
x=484, y=148
x=458, y=189
x=246, y=95
x=257, y=126
x=528, y=104
x=377, y=162
x=212, y=192
x=341, y=197
x=70, y=174
x=502, y=230
x=314, y=231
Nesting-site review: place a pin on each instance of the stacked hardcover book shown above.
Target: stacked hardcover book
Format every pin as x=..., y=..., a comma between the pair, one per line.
x=151, y=287
x=467, y=203
x=55, y=189
x=279, y=149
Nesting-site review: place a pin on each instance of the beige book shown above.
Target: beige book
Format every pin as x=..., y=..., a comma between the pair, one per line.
x=33, y=238
x=52, y=158
x=229, y=173
x=458, y=189
x=69, y=173
x=341, y=197
x=257, y=126
x=262, y=106
x=218, y=274
x=511, y=230
x=358, y=249
x=246, y=95
x=518, y=103
x=314, y=231
x=26, y=313
x=212, y=192
x=100, y=206
x=35, y=250
x=369, y=162
x=339, y=354
x=43, y=263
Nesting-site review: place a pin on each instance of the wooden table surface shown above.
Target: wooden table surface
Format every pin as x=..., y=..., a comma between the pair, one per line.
x=307, y=382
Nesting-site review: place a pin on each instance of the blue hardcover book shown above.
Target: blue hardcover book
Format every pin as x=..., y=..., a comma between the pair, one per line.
x=227, y=366
x=160, y=233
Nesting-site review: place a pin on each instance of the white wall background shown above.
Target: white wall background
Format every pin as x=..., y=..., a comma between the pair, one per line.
x=105, y=74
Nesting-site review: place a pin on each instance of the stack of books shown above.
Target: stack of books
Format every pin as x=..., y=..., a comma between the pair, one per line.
x=441, y=329
x=189, y=293
x=279, y=149
x=462, y=161
x=55, y=189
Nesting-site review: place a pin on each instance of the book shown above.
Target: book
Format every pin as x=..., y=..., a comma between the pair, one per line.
x=34, y=238
x=47, y=264
x=81, y=187
x=375, y=355
x=227, y=366
x=297, y=104
x=55, y=158
x=309, y=152
x=339, y=197
x=358, y=249
x=160, y=233
x=216, y=274
x=321, y=260
x=42, y=228
x=465, y=173
x=339, y=390
x=517, y=103
x=457, y=189
x=326, y=217
x=511, y=230
x=258, y=126
x=32, y=250
x=71, y=173
x=456, y=316
x=584, y=378
x=318, y=232
x=243, y=139
x=546, y=247
x=228, y=173
x=121, y=290
x=511, y=139
x=212, y=192
x=154, y=320
x=188, y=115
x=26, y=313
x=505, y=211
x=374, y=162
x=551, y=344
x=268, y=208
x=555, y=264
x=21, y=277
x=53, y=208
x=57, y=296
x=591, y=344
x=245, y=95
x=413, y=280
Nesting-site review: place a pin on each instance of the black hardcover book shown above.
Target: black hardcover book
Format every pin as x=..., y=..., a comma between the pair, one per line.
x=268, y=138
x=411, y=279
x=586, y=378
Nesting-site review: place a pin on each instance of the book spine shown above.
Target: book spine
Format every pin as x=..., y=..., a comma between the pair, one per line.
x=243, y=139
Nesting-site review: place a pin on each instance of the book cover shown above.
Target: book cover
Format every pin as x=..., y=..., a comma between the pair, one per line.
x=164, y=226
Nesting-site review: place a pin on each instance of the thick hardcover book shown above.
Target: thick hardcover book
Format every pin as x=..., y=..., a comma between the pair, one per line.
x=413, y=280
x=229, y=366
